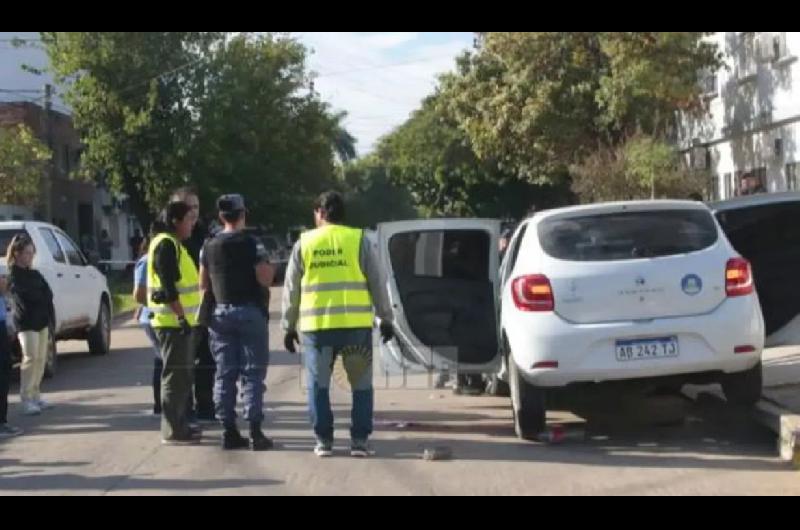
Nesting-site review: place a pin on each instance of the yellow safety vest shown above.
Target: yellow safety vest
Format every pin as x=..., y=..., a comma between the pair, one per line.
x=334, y=288
x=188, y=286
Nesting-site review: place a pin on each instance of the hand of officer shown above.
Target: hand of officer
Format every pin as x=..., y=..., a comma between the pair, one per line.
x=186, y=329
x=387, y=331
x=290, y=340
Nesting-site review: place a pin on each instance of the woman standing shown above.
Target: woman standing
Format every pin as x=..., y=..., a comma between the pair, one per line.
x=32, y=301
x=143, y=314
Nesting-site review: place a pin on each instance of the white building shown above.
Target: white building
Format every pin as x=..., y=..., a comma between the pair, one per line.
x=749, y=141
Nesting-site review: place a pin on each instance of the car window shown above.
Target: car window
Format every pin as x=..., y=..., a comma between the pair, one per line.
x=628, y=235
x=6, y=235
x=762, y=230
x=451, y=254
x=74, y=255
x=52, y=245
x=513, y=252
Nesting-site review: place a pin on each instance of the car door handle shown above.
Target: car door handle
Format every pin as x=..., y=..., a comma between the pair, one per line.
x=59, y=275
x=77, y=275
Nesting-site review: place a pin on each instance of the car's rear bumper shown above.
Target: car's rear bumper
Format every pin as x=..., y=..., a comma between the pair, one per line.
x=587, y=352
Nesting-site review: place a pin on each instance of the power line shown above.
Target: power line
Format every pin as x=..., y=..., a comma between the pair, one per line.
x=164, y=74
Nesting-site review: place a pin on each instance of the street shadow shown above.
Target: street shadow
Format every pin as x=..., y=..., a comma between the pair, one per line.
x=121, y=483
x=88, y=416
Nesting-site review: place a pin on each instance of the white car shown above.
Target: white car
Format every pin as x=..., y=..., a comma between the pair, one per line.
x=631, y=291
x=81, y=296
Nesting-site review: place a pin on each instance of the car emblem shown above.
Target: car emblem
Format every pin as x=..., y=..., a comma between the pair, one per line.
x=692, y=284
x=640, y=281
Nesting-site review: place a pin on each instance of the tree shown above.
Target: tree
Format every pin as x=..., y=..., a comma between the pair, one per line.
x=641, y=168
x=23, y=163
x=132, y=97
x=527, y=100
x=434, y=160
x=370, y=195
x=540, y=102
x=259, y=134
x=344, y=144
x=227, y=113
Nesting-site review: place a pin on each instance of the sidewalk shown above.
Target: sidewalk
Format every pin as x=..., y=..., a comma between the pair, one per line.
x=779, y=408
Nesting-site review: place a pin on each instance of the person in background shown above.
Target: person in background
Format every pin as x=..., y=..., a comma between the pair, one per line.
x=32, y=300
x=6, y=430
x=136, y=244
x=143, y=314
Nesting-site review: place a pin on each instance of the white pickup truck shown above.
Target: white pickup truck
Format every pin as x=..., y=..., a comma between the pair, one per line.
x=80, y=292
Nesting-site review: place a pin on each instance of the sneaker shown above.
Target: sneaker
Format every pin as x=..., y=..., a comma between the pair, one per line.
x=7, y=431
x=232, y=440
x=360, y=449
x=45, y=405
x=260, y=442
x=323, y=449
x=30, y=408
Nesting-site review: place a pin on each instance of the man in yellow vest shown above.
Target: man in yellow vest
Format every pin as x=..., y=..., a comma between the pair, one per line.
x=332, y=284
x=173, y=286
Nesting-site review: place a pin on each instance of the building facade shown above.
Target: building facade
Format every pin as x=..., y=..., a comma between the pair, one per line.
x=748, y=140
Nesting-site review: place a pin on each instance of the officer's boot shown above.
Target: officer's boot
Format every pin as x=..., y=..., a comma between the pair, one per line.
x=258, y=440
x=232, y=440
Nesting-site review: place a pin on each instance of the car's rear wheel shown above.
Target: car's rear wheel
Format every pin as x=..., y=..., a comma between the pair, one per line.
x=528, y=404
x=744, y=388
x=100, y=335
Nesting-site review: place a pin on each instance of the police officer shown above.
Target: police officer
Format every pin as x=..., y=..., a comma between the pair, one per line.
x=332, y=284
x=235, y=267
x=173, y=300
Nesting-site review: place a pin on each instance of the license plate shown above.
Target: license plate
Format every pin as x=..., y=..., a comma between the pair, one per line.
x=643, y=349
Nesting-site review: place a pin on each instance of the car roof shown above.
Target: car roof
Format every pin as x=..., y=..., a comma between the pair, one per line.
x=611, y=207
x=18, y=225
x=753, y=201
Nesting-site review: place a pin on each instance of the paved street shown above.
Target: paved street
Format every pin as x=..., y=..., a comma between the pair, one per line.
x=100, y=440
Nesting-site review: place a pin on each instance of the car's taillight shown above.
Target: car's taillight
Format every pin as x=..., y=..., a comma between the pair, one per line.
x=738, y=277
x=533, y=293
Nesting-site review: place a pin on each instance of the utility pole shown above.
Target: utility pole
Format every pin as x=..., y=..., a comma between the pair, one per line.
x=48, y=135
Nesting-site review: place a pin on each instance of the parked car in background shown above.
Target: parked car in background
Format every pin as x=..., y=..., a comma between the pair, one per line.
x=81, y=296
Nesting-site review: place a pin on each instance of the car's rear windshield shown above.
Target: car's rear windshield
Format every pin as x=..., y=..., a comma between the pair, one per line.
x=6, y=235
x=628, y=235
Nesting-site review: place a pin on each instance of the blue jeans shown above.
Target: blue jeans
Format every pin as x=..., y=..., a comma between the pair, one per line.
x=239, y=344
x=158, y=366
x=321, y=349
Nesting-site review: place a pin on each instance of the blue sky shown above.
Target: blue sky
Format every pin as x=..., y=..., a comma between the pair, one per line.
x=378, y=78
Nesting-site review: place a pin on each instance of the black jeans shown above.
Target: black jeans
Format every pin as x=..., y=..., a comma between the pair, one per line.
x=204, y=372
x=158, y=369
x=5, y=371
x=176, y=382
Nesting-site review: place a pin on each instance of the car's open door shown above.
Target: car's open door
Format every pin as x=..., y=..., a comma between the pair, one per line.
x=442, y=283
